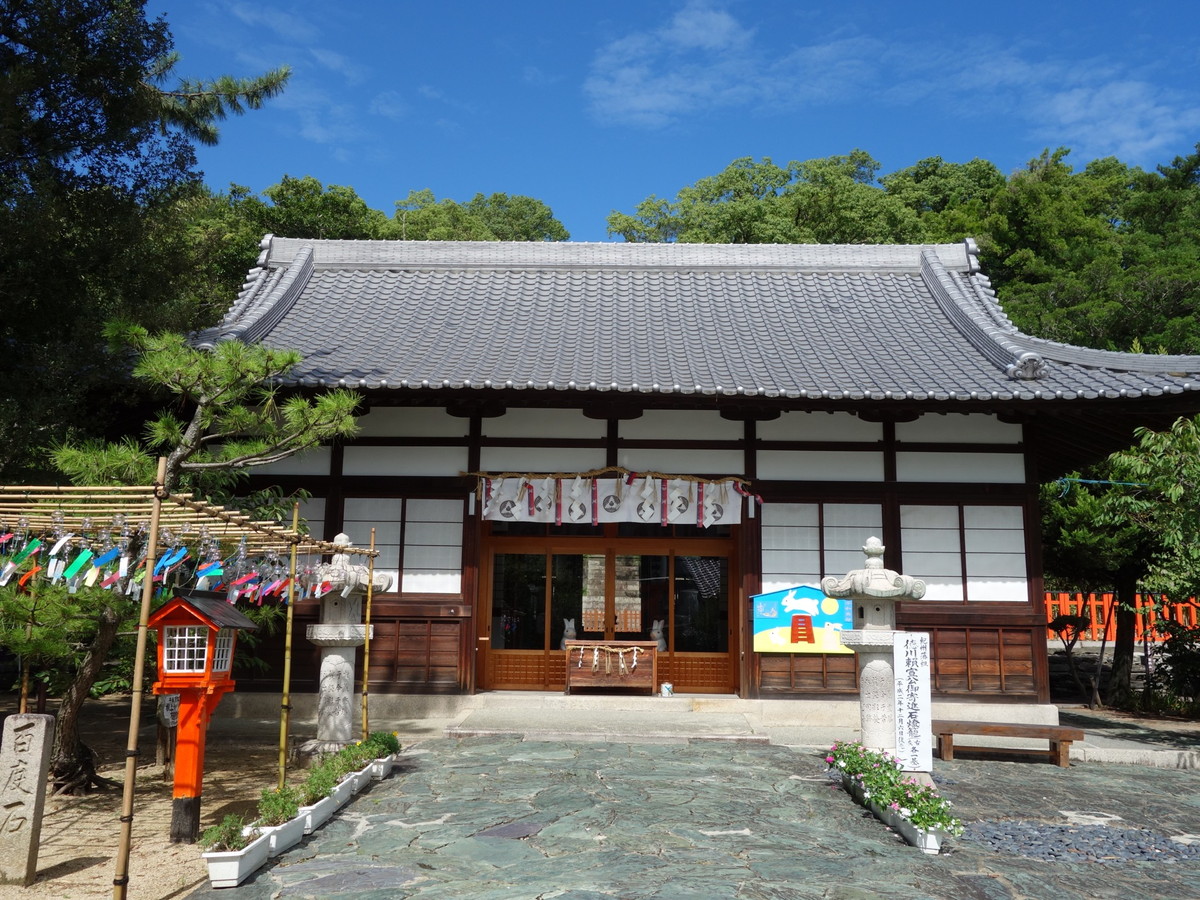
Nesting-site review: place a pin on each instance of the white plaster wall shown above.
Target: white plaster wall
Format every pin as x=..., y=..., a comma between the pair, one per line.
x=968, y=468
x=541, y=459
x=545, y=423
x=311, y=462
x=820, y=465
x=684, y=462
x=390, y=421
x=955, y=428
x=811, y=426
x=429, y=461
x=681, y=425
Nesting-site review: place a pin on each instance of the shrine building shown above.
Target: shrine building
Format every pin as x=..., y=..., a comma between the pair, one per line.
x=588, y=440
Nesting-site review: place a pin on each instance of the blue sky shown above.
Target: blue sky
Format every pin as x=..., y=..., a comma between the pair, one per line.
x=593, y=106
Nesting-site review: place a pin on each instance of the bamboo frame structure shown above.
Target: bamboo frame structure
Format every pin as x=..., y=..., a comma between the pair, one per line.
x=89, y=512
x=366, y=728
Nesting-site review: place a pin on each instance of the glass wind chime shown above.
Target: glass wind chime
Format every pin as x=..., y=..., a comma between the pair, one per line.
x=112, y=556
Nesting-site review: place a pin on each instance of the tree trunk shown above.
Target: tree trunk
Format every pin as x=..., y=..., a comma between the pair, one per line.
x=71, y=762
x=1120, y=684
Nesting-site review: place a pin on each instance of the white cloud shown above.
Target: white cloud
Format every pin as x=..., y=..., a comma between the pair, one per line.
x=320, y=117
x=338, y=62
x=389, y=104
x=1133, y=120
x=703, y=60
x=283, y=24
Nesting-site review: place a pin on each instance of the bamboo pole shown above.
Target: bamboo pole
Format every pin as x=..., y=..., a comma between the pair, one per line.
x=121, y=878
x=285, y=705
x=366, y=728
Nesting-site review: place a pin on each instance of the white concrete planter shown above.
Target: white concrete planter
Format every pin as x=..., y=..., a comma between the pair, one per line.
x=381, y=768
x=286, y=835
x=318, y=814
x=925, y=840
x=229, y=868
x=346, y=789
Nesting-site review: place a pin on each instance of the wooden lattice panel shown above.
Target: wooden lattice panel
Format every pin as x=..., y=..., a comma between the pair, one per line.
x=983, y=661
x=808, y=673
x=516, y=669
x=697, y=672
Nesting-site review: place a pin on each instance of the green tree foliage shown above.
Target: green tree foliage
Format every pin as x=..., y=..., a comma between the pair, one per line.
x=226, y=415
x=742, y=204
x=837, y=201
x=950, y=199
x=234, y=416
x=96, y=167
x=1097, y=537
x=1107, y=257
x=69, y=636
x=830, y=200
x=517, y=218
x=499, y=217
x=304, y=208
x=1163, y=469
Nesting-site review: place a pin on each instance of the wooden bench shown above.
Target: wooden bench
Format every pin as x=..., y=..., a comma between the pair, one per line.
x=1059, y=736
x=610, y=664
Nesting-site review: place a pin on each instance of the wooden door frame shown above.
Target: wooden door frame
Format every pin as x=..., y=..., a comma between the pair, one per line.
x=609, y=545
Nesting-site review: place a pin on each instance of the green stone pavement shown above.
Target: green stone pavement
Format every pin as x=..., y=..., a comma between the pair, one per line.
x=500, y=817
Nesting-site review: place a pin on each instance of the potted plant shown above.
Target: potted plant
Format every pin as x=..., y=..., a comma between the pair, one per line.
x=343, y=766
x=316, y=791
x=232, y=851
x=385, y=746
x=279, y=814
x=877, y=781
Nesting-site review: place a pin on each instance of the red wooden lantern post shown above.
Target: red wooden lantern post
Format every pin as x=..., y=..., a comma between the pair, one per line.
x=197, y=634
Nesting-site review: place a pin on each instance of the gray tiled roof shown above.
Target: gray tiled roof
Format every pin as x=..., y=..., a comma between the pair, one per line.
x=771, y=320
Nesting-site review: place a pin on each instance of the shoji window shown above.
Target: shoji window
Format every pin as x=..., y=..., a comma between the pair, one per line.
x=803, y=542
x=966, y=552
x=421, y=538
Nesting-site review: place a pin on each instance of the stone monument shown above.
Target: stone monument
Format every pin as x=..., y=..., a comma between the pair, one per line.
x=340, y=631
x=24, y=765
x=874, y=591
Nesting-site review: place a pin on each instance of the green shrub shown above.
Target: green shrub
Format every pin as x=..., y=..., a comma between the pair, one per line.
x=228, y=835
x=384, y=742
x=884, y=782
x=277, y=806
x=320, y=782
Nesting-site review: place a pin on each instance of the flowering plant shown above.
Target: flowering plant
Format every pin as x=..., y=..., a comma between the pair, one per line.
x=884, y=783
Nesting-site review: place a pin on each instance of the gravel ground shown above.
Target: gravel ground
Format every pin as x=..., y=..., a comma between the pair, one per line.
x=1090, y=843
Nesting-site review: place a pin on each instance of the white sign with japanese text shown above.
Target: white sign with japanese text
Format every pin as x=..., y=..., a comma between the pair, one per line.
x=914, y=737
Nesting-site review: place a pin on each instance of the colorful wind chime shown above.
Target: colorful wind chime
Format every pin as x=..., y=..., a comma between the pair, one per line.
x=111, y=555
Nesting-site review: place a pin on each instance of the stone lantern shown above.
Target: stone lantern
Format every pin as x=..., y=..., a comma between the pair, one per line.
x=874, y=591
x=340, y=632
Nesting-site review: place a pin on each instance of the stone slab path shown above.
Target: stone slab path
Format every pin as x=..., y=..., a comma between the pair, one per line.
x=497, y=817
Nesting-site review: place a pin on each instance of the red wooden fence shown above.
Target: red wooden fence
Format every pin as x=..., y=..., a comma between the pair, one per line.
x=1098, y=608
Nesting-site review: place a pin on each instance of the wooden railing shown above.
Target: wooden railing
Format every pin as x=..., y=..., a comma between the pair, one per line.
x=1099, y=609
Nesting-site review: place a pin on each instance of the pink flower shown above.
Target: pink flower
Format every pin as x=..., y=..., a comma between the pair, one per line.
x=829, y=759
